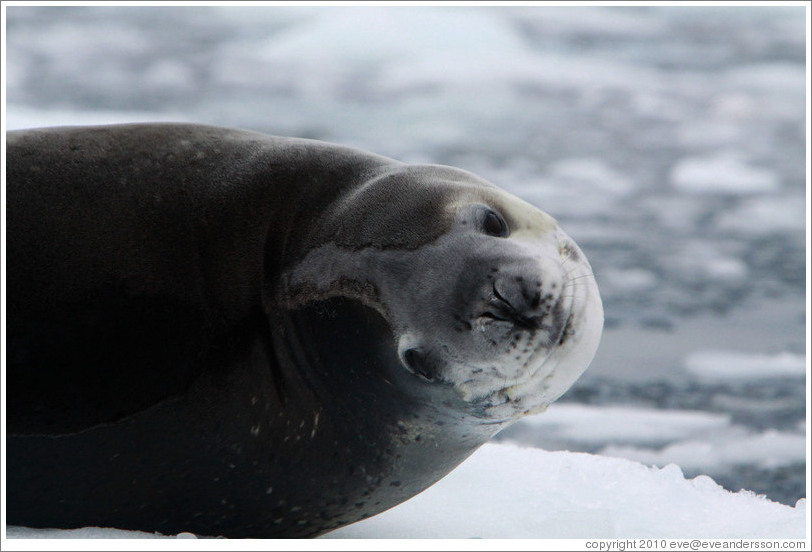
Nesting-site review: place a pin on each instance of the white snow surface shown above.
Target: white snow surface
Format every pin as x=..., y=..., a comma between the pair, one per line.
x=13, y=532
x=505, y=491
x=538, y=494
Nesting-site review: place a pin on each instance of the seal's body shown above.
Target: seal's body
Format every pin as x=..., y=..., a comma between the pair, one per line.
x=227, y=333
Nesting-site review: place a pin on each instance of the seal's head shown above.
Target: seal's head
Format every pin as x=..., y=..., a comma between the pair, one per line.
x=483, y=292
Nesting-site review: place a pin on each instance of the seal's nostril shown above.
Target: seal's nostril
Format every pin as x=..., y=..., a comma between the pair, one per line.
x=513, y=306
x=534, y=302
x=418, y=364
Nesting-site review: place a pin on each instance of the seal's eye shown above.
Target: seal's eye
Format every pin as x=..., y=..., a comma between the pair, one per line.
x=494, y=225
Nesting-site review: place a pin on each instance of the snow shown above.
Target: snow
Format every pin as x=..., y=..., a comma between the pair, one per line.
x=505, y=491
x=85, y=533
x=538, y=494
x=720, y=366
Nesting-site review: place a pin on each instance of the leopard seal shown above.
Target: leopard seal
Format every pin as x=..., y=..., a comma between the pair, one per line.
x=221, y=332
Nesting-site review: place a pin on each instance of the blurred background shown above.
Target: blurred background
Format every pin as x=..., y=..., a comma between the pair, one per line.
x=669, y=142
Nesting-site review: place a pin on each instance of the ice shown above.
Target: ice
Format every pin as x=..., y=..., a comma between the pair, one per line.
x=505, y=491
x=726, y=269
x=675, y=212
x=601, y=22
x=697, y=260
x=424, y=51
x=446, y=33
x=698, y=441
x=606, y=424
x=592, y=173
x=630, y=280
x=168, y=75
x=768, y=78
x=714, y=133
x=84, y=533
x=764, y=216
x=532, y=493
x=21, y=117
x=768, y=450
x=721, y=366
x=721, y=173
